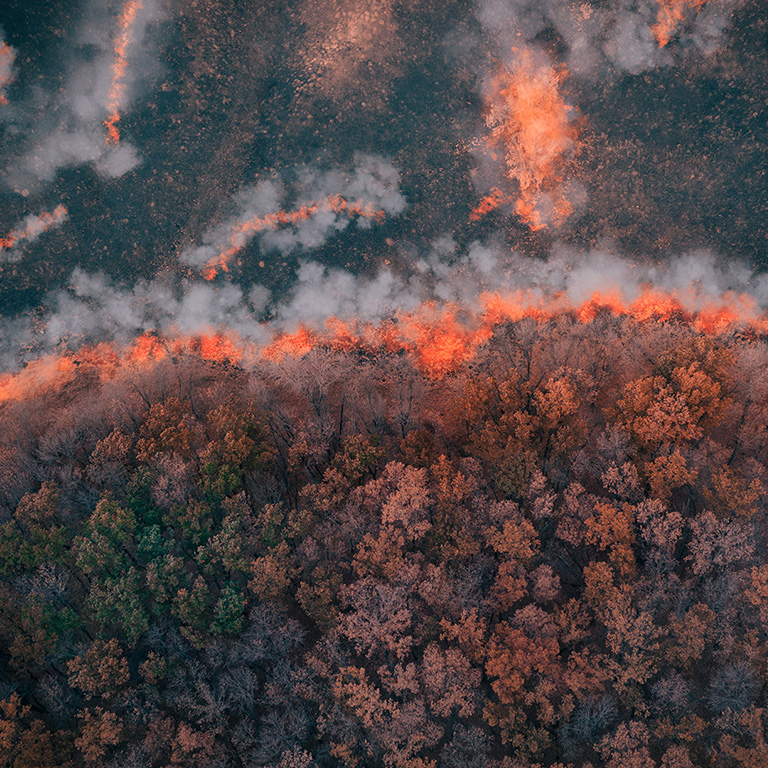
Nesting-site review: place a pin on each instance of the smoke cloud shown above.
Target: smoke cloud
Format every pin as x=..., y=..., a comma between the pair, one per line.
x=323, y=204
x=92, y=309
x=7, y=58
x=523, y=152
x=28, y=231
x=530, y=59
x=619, y=35
x=532, y=135
x=108, y=64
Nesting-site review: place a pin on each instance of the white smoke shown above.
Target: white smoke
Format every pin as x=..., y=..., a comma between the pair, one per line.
x=597, y=41
x=444, y=276
x=256, y=200
x=92, y=309
x=65, y=128
x=28, y=231
x=7, y=72
x=373, y=181
x=616, y=35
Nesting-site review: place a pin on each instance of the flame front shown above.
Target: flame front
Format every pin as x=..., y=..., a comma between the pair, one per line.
x=33, y=227
x=439, y=340
x=119, y=67
x=243, y=231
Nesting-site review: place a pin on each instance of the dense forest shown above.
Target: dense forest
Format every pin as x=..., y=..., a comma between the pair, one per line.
x=553, y=555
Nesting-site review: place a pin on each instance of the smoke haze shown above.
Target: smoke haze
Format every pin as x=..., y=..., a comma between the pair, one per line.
x=176, y=170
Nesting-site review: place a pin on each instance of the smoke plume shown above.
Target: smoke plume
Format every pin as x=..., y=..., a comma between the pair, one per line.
x=7, y=58
x=323, y=204
x=28, y=231
x=77, y=124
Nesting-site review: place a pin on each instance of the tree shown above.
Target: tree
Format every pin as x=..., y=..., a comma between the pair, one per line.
x=451, y=682
x=193, y=522
x=191, y=607
x=118, y=602
x=107, y=539
x=34, y=535
x=523, y=666
x=452, y=537
x=167, y=427
x=228, y=611
x=100, y=671
x=717, y=544
x=109, y=463
x=272, y=574
x=470, y=632
x=379, y=620
x=728, y=494
x=191, y=746
x=99, y=730
x=627, y=747
x=612, y=528
x=226, y=552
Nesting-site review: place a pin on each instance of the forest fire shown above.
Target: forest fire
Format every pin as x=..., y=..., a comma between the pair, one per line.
x=670, y=15
x=438, y=340
x=531, y=125
x=33, y=226
x=243, y=231
x=119, y=67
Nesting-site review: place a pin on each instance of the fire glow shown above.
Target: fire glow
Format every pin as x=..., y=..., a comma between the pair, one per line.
x=243, y=231
x=438, y=339
x=33, y=227
x=119, y=68
x=670, y=15
x=7, y=57
x=531, y=127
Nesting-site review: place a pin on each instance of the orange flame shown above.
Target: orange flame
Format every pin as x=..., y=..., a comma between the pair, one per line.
x=670, y=15
x=221, y=348
x=35, y=226
x=439, y=340
x=294, y=344
x=119, y=67
x=244, y=230
x=487, y=204
x=147, y=347
x=531, y=124
x=7, y=57
x=656, y=305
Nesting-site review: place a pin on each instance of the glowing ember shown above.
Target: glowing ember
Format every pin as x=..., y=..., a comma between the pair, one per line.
x=119, y=67
x=32, y=227
x=670, y=15
x=531, y=124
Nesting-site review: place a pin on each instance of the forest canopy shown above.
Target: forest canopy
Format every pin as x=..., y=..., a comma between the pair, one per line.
x=553, y=555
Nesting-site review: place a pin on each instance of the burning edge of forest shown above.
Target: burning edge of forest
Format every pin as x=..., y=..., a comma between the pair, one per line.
x=552, y=555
